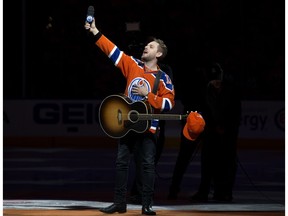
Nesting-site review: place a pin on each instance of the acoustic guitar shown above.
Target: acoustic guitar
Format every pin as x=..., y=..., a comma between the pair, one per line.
x=118, y=115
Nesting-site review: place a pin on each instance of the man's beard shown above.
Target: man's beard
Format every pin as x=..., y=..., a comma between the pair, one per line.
x=145, y=58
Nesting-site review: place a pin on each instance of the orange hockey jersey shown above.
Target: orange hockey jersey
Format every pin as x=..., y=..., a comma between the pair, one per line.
x=134, y=71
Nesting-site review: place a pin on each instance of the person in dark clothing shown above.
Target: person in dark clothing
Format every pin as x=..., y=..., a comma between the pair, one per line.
x=220, y=105
x=219, y=141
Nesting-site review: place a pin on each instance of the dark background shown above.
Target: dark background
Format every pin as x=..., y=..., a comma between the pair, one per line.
x=55, y=59
x=247, y=37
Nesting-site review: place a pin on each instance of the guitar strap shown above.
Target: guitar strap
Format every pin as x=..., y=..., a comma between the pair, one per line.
x=156, y=82
x=154, y=91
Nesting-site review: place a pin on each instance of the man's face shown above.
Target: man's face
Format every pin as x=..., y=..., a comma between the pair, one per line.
x=150, y=51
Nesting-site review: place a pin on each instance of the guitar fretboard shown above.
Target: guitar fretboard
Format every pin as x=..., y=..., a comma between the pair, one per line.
x=161, y=116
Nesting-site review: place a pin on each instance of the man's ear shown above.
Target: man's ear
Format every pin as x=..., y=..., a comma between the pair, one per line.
x=159, y=54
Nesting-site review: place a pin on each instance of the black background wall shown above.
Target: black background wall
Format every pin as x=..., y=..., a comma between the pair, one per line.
x=52, y=58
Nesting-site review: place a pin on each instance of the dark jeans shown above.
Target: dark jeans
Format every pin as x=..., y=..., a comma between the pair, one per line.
x=137, y=183
x=143, y=146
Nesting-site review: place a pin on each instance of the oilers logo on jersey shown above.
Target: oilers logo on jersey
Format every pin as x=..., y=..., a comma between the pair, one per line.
x=139, y=81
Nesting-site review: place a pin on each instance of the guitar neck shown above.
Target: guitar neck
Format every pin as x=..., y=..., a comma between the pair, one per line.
x=161, y=116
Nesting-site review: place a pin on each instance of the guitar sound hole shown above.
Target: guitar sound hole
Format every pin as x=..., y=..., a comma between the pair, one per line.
x=133, y=116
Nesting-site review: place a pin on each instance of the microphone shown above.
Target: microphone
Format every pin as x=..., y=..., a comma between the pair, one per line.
x=90, y=14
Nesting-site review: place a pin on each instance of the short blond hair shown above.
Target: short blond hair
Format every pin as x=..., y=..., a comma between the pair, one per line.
x=162, y=48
